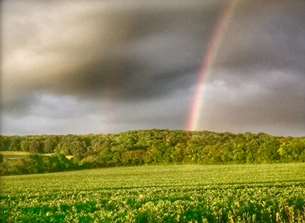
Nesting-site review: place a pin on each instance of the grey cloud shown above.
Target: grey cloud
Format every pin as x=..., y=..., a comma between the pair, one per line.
x=94, y=54
x=268, y=38
x=142, y=57
x=56, y=115
x=274, y=103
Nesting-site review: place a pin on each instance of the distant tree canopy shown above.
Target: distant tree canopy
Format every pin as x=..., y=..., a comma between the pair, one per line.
x=162, y=146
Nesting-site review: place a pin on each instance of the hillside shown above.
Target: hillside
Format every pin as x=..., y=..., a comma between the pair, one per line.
x=149, y=147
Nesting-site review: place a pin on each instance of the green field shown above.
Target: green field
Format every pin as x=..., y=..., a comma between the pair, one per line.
x=22, y=154
x=14, y=154
x=175, y=193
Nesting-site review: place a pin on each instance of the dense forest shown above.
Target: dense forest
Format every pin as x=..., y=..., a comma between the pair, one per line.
x=147, y=147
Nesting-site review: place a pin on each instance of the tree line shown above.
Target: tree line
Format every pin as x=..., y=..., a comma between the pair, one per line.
x=155, y=147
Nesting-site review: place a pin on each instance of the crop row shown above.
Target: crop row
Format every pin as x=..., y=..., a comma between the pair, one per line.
x=223, y=203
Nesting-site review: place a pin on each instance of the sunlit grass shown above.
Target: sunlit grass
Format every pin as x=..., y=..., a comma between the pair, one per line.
x=173, y=193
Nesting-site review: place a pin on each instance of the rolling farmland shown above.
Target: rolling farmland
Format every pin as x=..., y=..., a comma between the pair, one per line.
x=170, y=193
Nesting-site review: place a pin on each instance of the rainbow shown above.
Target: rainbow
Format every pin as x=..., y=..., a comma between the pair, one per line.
x=208, y=60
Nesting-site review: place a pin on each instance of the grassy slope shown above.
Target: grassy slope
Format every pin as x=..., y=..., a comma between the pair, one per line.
x=156, y=176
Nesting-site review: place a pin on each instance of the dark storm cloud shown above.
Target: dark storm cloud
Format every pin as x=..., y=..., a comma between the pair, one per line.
x=266, y=37
x=104, y=50
x=262, y=71
x=273, y=103
x=142, y=58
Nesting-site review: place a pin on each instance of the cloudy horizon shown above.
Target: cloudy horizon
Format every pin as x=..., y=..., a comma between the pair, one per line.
x=74, y=67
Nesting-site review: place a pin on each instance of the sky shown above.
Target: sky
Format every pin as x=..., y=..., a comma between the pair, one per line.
x=115, y=65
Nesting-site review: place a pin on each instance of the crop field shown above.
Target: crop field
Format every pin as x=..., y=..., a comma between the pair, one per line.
x=14, y=154
x=169, y=193
x=22, y=154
